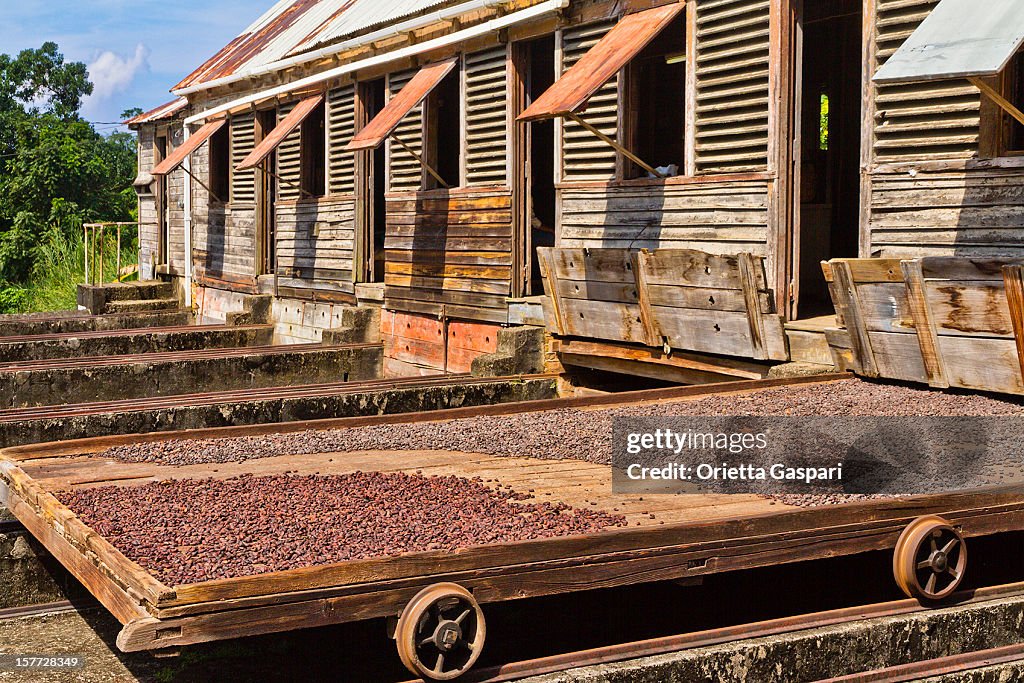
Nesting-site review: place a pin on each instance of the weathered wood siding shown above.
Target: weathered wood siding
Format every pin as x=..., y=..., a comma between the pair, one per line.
x=584, y=156
x=149, y=230
x=714, y=217
x=732, y=85
x=315, y=242
x=175, y=208
x=931, y=192
x=224, y=247
x=449, y=253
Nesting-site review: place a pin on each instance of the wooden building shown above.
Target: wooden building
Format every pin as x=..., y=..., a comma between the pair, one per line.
x=677, y=171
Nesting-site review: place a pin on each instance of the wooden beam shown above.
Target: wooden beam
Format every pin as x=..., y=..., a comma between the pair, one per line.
x=621, y=149
x=727, y=367
x=924, y=324
x=1013, y=277
x=748, y=280
x=639, y=261
x=422, y=162
x=998, y=98
x=845, y=284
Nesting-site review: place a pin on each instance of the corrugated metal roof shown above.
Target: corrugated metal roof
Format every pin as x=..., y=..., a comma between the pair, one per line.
x=366, y=15
x=286, y=25
x=164, y=111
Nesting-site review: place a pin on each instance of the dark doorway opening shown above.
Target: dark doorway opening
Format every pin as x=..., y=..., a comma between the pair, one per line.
x=656, y=100
x=371, y=179
x=829, y=130
x=266, y=197
x=540, y=167
x=444, y=126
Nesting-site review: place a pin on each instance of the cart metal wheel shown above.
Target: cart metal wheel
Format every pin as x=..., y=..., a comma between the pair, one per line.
x=441, y=632
x=929, y=559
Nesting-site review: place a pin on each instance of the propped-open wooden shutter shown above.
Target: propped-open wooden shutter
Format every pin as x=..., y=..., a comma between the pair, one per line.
x=289, y=159
x=243, y=142
x=341, y=112
x=405, y=172
x=585, y=157
x=487, y=117
x=732, y=66
x=938, y=120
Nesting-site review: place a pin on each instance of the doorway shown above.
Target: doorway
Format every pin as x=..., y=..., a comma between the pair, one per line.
x=535, y=65
x=370, y=185
x=827, y=150
x=266, y=181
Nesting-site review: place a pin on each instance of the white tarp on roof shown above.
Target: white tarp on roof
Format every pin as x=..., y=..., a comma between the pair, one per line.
x=365, y=15
x=960, y=38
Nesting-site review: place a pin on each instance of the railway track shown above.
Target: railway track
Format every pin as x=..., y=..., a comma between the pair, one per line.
x=775, y=627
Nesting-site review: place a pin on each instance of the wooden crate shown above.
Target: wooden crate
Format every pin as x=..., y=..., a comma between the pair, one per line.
x=944, y=321
x=673, y=298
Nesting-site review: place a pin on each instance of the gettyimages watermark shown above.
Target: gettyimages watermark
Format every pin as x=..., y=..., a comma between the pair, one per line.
x=816, y=455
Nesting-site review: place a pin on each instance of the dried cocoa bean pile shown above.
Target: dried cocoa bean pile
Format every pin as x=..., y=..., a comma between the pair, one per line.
x=571, y=433
x=191, y=530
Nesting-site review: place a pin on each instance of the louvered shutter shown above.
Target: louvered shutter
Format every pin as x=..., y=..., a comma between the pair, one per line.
x=405, y=172
x=936, y=120
x=732, y=66
x=289, y=159
x=585, y=157
x=243, y=141
x=487, y=117
x=341, y=112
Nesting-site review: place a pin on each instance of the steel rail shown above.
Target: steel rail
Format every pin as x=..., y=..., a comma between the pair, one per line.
x=718, y=636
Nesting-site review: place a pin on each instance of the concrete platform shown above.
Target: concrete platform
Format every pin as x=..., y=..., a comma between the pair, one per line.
x=829, y=652
x=81, y=380
x=82, y=321
x=272, y=405
x=132, y=341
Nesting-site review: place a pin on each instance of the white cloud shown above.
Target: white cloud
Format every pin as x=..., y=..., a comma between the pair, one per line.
x=112, y=74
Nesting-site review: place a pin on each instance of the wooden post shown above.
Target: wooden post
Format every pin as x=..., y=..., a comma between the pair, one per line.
x=927, y=337
x=547, y=269
x=639, y=261
x=748, y=281
x=854, y=320
x=1013, y=278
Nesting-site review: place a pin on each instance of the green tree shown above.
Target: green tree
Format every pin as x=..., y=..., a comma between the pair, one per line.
x=56, y=170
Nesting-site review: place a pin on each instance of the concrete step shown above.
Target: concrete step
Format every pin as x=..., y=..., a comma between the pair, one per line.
x=807, y=342
x=139, y=305
x=147, y=289
x=132, y=341
x=80, y=321
x=102, y=378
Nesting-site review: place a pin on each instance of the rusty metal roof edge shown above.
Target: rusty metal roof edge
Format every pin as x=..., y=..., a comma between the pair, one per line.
x=539, y=9
x=390, y=30
x=164, y=111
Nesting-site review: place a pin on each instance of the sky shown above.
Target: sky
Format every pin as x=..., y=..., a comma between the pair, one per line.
x=135, y=49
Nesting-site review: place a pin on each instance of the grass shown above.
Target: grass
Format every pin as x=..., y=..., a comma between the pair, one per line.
x=60, y=269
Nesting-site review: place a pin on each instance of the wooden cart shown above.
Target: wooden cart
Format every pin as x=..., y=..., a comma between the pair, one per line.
x=689, y=535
